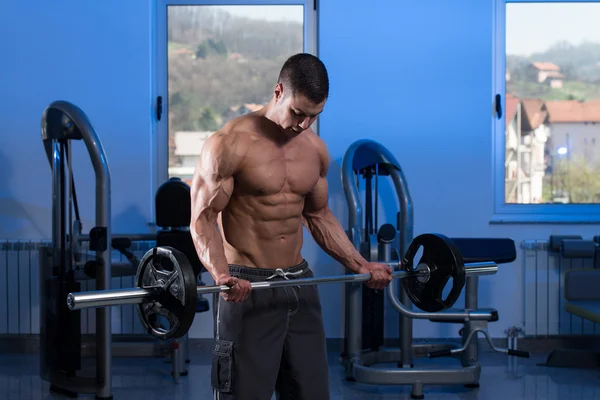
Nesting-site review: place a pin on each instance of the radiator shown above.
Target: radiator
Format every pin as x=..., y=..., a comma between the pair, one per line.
x=543, y=293
x=19, y=291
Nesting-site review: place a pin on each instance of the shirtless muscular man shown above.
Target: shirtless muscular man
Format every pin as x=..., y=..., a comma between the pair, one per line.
x=259, y=180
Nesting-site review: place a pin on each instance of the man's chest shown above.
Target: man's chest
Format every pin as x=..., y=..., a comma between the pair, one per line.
x=269, y=169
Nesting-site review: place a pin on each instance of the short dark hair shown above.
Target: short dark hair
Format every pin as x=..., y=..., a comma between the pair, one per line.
x=305, y=74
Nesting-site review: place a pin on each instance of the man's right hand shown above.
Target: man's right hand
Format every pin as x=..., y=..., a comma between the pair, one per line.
x=239, y=288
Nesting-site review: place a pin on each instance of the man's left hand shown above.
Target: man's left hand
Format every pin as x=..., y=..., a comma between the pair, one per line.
x=381, y=275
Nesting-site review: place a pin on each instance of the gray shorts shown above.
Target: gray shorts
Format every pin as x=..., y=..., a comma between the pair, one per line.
x=273, y=342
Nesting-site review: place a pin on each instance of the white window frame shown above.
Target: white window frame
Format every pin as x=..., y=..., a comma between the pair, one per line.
x=159, y=36
x=522, y=213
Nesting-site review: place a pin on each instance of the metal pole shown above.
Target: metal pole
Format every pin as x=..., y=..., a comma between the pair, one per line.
x=405, y=226
x=470, y=355
x=352, y=293
x=107, y=298
x=58, y=194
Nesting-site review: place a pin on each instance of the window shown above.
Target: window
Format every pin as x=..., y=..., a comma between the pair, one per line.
x=547, y=78
x=217, y=61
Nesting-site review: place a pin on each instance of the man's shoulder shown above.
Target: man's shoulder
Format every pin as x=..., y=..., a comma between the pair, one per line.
x=225, y=148
x=243, y=128
x=319, y=145
x=234, y=134
x=317, y=142
x=312, y=135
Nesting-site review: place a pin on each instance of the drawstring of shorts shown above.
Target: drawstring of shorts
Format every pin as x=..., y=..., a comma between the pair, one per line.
x=283, y=274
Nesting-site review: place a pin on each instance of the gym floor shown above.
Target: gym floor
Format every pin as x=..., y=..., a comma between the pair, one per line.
x=149, y=379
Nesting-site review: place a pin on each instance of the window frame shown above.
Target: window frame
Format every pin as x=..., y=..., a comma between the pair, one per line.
x=521, y=213
x=160, y=152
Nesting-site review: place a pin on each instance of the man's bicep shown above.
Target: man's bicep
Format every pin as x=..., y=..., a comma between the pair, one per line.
x=210, y=195
x=212, y=184
x=318, y=198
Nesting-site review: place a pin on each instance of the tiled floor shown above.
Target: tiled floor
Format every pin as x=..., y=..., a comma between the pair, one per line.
x=149, y=379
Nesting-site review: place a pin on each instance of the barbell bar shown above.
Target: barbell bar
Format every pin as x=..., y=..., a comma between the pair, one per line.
x=166, y=292
x=114, y=297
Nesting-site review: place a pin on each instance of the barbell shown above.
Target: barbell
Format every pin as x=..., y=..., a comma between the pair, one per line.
x=166, y=284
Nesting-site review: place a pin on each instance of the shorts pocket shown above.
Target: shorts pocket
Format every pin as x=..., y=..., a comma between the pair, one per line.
x=222, y=366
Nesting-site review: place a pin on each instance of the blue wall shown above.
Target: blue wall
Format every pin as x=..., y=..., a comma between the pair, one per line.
x=65, y=51
x=415, y=76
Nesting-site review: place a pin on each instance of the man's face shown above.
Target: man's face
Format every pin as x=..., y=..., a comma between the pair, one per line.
x=295, y=113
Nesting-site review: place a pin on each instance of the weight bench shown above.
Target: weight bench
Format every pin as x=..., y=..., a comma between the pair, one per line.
x=583, y=300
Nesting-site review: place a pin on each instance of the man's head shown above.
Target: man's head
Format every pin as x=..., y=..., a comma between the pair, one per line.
x=301, y=92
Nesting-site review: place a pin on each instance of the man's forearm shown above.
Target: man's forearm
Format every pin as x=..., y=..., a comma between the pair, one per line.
x=209, y=247
x=330, y=236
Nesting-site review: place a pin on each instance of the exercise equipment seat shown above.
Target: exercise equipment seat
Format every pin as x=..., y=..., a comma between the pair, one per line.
x=583, y=300
x=173, y=216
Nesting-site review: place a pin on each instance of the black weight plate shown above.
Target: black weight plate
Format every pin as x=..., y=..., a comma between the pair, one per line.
x=172, y=313
x=444, y=261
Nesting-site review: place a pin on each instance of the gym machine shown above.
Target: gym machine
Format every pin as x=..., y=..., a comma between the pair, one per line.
x=63, y=268
x=364, y=308
x=60, y=334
